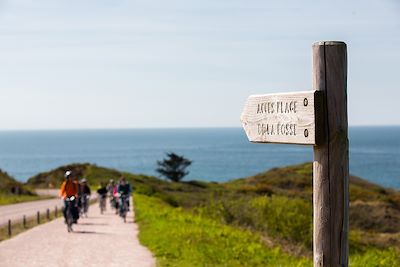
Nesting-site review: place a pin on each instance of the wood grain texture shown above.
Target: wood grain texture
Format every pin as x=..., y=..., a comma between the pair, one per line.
x=282, y=118
x=331, y=159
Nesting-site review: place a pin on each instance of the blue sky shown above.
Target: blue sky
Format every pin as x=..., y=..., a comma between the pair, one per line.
x=129, y=64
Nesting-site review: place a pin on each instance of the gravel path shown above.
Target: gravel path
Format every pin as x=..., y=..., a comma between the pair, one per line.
x=48, y=192
x=15, y=212
x=99, y=240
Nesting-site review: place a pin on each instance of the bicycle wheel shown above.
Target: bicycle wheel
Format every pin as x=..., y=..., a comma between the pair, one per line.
x=70, y=219
x=124, y=211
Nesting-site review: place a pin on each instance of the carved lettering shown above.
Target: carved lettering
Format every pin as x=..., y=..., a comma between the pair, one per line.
x=278, y=107
x=277, y=129
x=282, y=118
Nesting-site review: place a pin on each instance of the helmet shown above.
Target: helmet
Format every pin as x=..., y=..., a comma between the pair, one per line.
x=67, y=174
x=83, y=180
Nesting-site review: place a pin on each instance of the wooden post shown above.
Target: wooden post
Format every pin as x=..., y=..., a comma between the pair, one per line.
x=9, y=228
x=38, y=217
x=24, y=221
x=331, y=159
x=56, y=212
x=48, y=214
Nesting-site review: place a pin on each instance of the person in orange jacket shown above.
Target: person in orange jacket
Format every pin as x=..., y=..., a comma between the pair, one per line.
x=68, y=189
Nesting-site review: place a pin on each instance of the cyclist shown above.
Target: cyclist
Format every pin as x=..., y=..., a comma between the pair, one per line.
x=102, y=191
x=110, y=189
x=124, y=189
x=115, y=197
x=84, y=195
x=69, y=188
x=110, y=186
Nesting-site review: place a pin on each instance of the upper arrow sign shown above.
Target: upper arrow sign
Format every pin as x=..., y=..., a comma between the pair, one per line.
x=283, y=118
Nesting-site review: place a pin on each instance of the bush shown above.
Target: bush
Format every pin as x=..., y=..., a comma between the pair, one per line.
x=287, y=218
x=145, y=189
x=278, y=216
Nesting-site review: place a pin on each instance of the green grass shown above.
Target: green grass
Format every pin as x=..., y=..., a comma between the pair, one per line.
x=288, y=218
x=178, y=238
x=6, y=199
x=278, y=217
x=376, y=258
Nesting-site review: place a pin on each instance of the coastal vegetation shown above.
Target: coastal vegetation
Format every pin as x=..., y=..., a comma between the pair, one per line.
x=179, y=238
x=173, y=167
x=12, y=191
x=267, y=217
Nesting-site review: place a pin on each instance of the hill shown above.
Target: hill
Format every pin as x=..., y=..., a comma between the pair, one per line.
x=8, y=185
x=94, y=174
x=372, y=207
x=276, y=204
x=12, y=191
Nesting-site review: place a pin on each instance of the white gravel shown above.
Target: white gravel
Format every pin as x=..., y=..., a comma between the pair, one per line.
x=48, y=192
x=15, y=212
x=99, y=240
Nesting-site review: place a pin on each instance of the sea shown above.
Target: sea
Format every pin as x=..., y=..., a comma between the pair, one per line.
x=218, y=154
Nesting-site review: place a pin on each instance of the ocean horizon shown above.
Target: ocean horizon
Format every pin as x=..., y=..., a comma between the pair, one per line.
x=218, y=154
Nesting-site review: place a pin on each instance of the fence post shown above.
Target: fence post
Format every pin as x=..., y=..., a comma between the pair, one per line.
x=48, y=214
x=56, y=212
x=24, y=221
x=331, y=158
x=38, y=217
x=9, y=228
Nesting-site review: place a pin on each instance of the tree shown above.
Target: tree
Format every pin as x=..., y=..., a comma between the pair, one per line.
x=173, y=167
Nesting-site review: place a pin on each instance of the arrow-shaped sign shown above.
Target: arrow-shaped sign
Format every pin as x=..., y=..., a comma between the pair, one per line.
x=289, y=118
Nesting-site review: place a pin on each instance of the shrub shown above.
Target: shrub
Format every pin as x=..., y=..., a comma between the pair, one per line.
x=173, y=167
x=286, y=217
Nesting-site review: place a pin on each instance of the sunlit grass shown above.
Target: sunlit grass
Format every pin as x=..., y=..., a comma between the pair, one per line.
x=178, y=238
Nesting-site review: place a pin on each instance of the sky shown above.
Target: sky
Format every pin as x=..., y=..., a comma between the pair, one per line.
x=138, y=64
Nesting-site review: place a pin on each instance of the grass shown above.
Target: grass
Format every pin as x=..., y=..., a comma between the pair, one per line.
x=376, y=258
x=6, y=199
x=178, y=238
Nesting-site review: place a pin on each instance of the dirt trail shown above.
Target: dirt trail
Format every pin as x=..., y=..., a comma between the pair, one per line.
x=15, y=212
x=99, y=240
x=47, y=192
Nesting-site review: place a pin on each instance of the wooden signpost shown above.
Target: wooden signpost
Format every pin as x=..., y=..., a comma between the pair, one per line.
x=283, y=118
x=318, y=118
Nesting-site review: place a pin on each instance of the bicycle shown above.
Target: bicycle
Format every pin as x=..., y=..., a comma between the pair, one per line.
x=69, y=213
x=85, y=205
x=123, y=209
x=102, y=203
x=114, y=203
